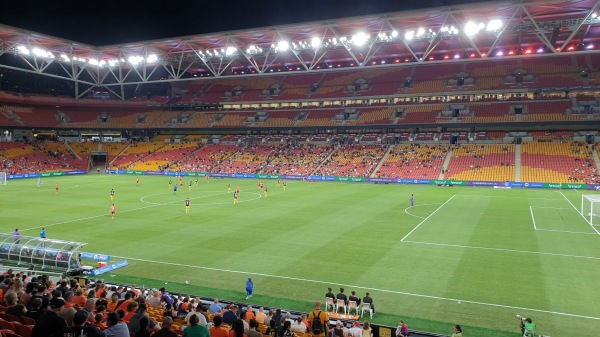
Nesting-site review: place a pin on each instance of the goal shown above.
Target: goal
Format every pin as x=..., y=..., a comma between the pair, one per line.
x=590, y=208
x=3, y=178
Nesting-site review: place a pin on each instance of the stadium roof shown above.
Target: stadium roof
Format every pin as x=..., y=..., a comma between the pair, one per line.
x=452, y=33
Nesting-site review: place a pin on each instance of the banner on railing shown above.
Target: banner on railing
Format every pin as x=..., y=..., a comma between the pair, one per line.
x=97, y=257
x=108, y=268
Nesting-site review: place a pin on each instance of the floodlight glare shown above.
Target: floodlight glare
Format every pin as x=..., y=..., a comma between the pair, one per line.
x=360, y=38
x=23, y=50
x=494, y=25
x=151, y=58
x=64, y=57
x=230, y=51
x=420, y=32
x=93, y=62
x=471, y=28
x=283, y=45
x=594, y=15
x=315, y=42
x=135, y=60
x=409, y=35
x=394, y=33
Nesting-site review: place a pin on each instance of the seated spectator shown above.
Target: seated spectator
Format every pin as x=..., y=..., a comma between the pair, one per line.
x=167, y=328
x=112, y=305
x=143, y=331
x=367, y=331
x=50, y=323
x=271, y=330
x=13, y=308
x=230, y=316
x=134, y=321
x=195, y=329
x=216, y=330
x=154, y=300
x=286, y=330
x=99, y=321
x=115, y=327
x=79, y=299
x=338, y=331
x=79, y=327
x=253, y=332
x=169, y=312
x=237, y=329
x=260, y=316
x=249, y=313
x=198, y=312
x=215, y=308
x=298, y=325
x=35, y=310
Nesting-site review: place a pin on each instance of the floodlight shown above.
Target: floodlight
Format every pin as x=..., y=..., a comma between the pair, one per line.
x=151, y=58
x=283, y=45
x=64, y=57
x=360, y=38
x=591, y=46
x=500, y=53
x=409, y=35
x=135, y=60
x=528, y=51
x=594, y=15
x=494, y=25
x=444, y=29
x=23, y=50
x=456, y=56
x=394, y=33
x=93, y=62
x=420, y=32
x=230, y=51
x=541, y=50
x=471, y=28
x=315, y=42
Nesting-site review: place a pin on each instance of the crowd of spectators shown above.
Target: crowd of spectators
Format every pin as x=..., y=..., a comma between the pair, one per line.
x=74, y=307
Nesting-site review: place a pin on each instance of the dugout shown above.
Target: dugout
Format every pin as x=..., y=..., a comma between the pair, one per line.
x=40, y=254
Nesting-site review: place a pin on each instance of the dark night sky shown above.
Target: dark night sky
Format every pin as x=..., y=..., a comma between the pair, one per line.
x=112, y=22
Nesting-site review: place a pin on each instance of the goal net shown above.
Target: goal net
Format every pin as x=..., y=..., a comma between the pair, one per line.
x=3, y=178
x=590, y=208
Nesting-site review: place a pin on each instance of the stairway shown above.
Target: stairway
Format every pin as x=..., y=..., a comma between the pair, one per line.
x=445, y=164
x=383, y=159
x=518, y=162
x=323, y=162
x=595, y=155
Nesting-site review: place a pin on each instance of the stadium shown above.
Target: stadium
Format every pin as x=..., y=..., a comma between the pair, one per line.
x=442, y=160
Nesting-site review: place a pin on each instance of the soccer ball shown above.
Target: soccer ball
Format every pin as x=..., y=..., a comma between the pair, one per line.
x=187, y=282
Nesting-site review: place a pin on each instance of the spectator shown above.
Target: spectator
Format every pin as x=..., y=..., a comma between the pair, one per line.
x=98, y=318
x=35, y=310
x=321, y=316
x=12, y=307
x=50, y=323
x=277, y=319
x=154, y=300
x=337, y=330
x=253, y=332
x=354, y=298
x=369, y=299
x=342, y=296
x=134, y=322
x=355, y=331
x=250, y=313
x=114, y=301
x=260, y=316
x=329, y=294
x=286, y=330
x=367, y=331
x=216, y=330
x=79, y=327
x=144, y=331
x=402, y=329
x=298, y=325
x=166, y=331
x=271, y=330
x=215, y=308
x=115, y=328
x=195, y=329
x=201, y=319
x=230, y=316
x=237, y=329
x=457, y=331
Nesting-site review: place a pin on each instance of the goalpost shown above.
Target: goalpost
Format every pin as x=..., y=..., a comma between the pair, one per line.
x=590, y=208
x=3, y=177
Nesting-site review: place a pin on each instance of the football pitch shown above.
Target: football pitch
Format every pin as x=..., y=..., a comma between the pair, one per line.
x=473, y=256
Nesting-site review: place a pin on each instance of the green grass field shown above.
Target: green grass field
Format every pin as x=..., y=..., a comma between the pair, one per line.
x=472, y=256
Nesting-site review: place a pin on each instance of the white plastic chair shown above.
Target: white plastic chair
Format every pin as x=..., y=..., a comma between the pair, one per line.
x=352, y=305
x=340, y=304
x=329, y=303
x=366, y=307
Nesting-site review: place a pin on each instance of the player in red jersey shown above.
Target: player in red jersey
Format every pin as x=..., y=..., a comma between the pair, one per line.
x=57, y=188
x=113, y=210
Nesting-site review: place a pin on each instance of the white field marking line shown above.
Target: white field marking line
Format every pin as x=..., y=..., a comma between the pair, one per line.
x=550, y=207
x=360, y=287
x=576, y=210
x=561, y=231
x=504, y=196
x=532, y=218
x=420, y=217
x=130, y=210
x=552, y=230
x=429, y=216
x=504, y=250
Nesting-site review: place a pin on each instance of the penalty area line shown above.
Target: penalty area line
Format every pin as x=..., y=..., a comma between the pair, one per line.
x=360, y=287
x=576, y=210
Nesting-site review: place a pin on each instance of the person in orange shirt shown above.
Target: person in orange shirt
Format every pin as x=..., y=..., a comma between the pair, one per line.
x=123, y=305
x=98, y=322
x=249, y=314
x=131, y=309
x=57, y=188
x=112, y=305
x=216, y=330
x=79, y=299
x=113, y=210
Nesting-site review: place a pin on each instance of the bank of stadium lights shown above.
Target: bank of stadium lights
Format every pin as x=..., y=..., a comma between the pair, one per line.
x=472, y=28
